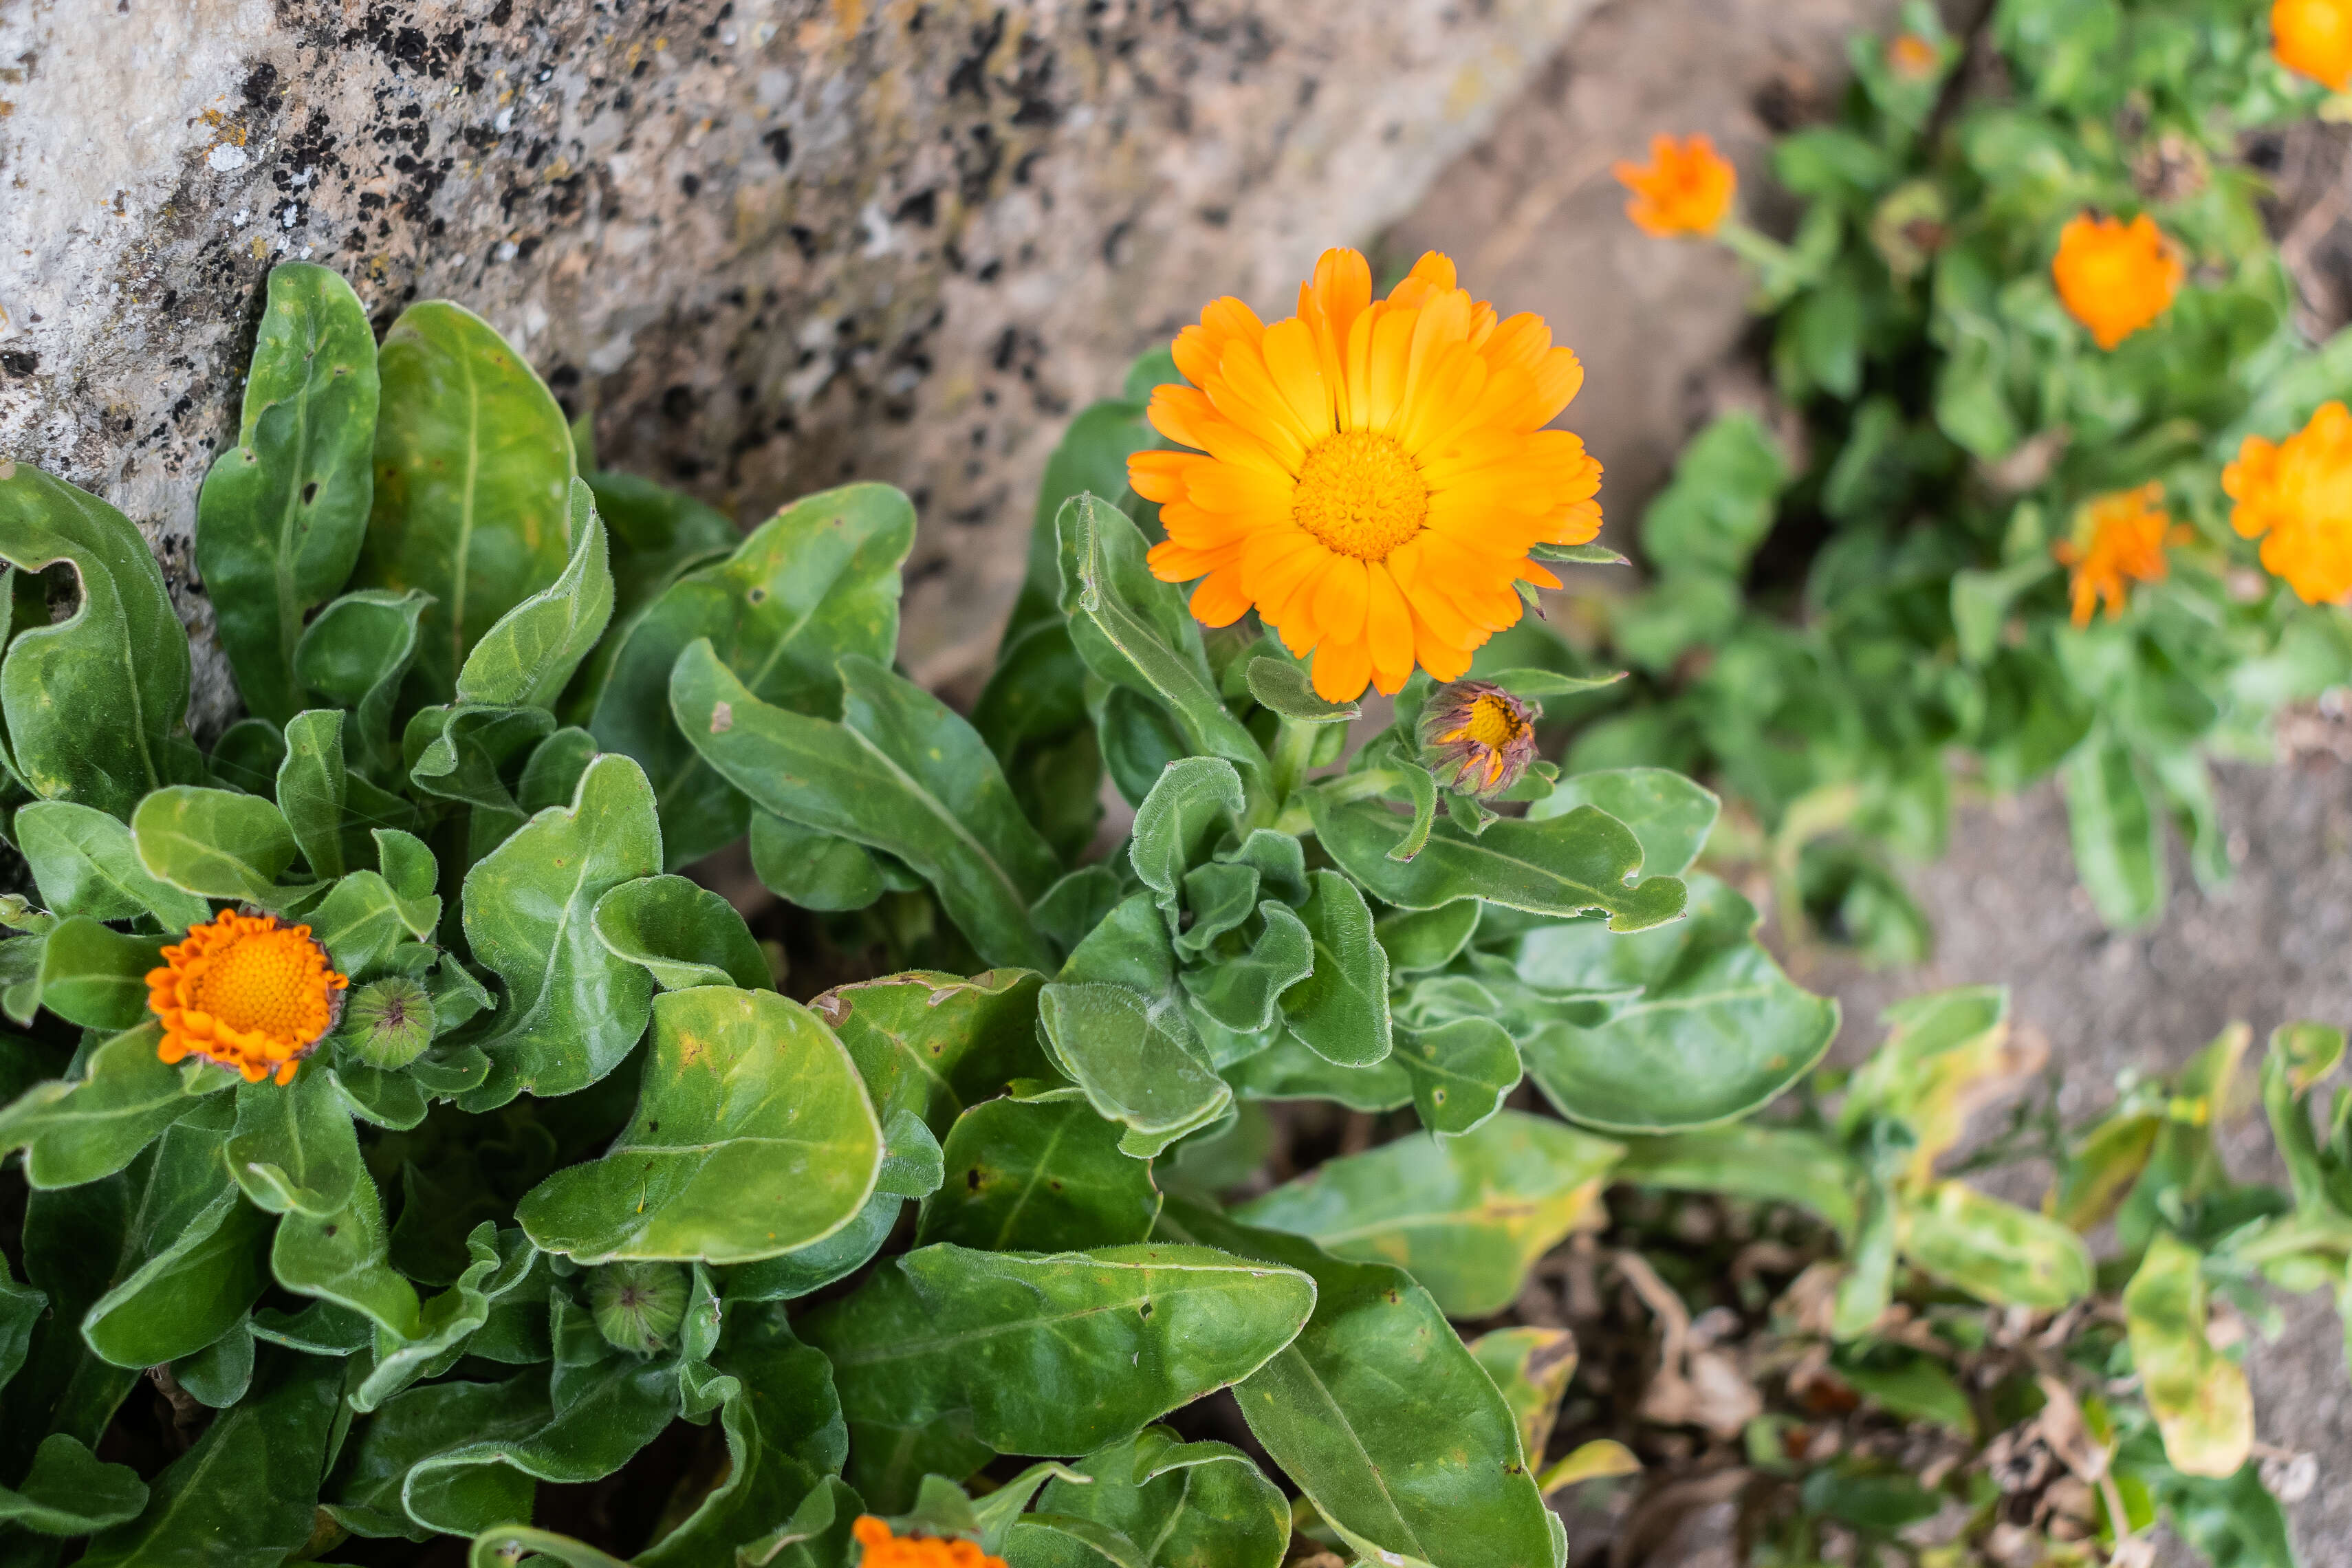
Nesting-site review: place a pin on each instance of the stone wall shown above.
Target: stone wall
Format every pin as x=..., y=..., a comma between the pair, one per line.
x=774, y=245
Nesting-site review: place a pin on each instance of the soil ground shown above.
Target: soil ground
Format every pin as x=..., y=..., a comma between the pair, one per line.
x=1536, y=221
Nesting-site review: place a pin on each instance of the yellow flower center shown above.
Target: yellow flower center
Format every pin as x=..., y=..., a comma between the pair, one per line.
x=1492, y=722
x=1360, y=494
x=269, y=983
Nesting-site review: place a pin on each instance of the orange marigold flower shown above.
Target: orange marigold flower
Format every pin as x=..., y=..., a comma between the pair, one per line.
x=2295, y=496
x=1686, y=187
x=2119, y=538
x=1369, y=474
x=884, y=1550
x=2313, y=38
x=1909, y=54
x=2115, y=276
x=247, y=992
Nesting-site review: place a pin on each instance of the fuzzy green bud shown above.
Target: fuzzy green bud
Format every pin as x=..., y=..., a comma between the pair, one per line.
x=638, y=1306
x=388, y=1023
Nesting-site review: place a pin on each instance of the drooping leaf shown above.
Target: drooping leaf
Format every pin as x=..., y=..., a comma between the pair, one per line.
x=1341, y=1010
x=1717, y=1031
x=816, y=581
x=811, y=867
x=1467, y=1215
x=244, y=1496
x=572, y=1010
x=904, y=775
x=76, y=1130
x=473, y=479
x=91, y=702
x=1560, y=866
x=281, y=514
x=1378, y=1413
x=683, y=934
x=1038, y=1176
x=1060, y=1354
x=1193, y=803
x=214, y=843
x=1531, y=1366
x=753, y=1136
x=85, y=863
x=354, y=653
x=70, y=1492
x=1667, y=813
x=527, y=656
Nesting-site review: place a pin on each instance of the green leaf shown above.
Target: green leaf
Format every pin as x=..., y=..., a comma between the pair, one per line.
x=244, y=1496
x=572, y=1010
x=1563, y=866
x=807, y=1270
x=1193, y=803
x=1421, y=940
x=1530, y=1367
x=1062, y=1354
x=77, y=1243
x=354, y=653
x=363, y=919
x=281, y=515
x=601, y=1406
x=312, y=786
x=76, y=1130
x=190, y=1264
x=783, y=1430
x=753, y=1136
x=1195, y=1505
x=553, y=771
x=1460, y=1072
x=344, y=1258
x=218, y=1375
x=1133, y=631
x=526, y=659
x=1243, y=992
x=815, y=870
x=294, y=1147
x=96, y=976
x=1720, y=505
x=682, y=933
x=70, y=1492
x=1382, y=1417
x=21, y=1307
x=1284, y=688
x=1540, y=683
x=933, y=1043
x=1038, y=1176
x=1717, y=1031
x=2117, y=833
x=1341, y=1010
x=816, y=581
x=1767, y=1165
x=904, y=775
x=1914, y=1387
x=84, y=863
x=1117, y=1027
x=92, y=702
x=215, y=843
x=473, y=480
x=1670, y=816
x=372, y=1494
x=1995, y=1251
x=1467, y=1215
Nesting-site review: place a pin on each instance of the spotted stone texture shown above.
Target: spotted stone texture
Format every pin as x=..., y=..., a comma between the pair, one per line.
x=773, y=246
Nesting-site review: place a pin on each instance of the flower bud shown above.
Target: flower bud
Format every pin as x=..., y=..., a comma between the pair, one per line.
x=1477, y=738
x=638, y=1306
x=388, y=1023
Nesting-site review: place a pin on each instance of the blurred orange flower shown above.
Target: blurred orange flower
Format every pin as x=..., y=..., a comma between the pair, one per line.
x=1909, y=54
x=2313, y=38
x=884, y=1550
x=1686, y=187
x=2295, y=496
x=2119, y=538
x=2115, y=276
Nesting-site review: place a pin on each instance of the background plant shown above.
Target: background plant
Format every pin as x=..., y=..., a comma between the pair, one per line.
x=1839, y=622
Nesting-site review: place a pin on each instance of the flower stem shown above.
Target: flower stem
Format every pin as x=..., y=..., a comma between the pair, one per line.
x=1294, y=747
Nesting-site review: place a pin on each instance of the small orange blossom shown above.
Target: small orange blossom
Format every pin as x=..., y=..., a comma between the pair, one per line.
x=2120, y=537
x=1913, y=56
x=243, y=992
x=2295, y=496
x=2115, y=276
x=884, y=1550
x=2313, y=38
x=1369, y=475
x=1686, y=187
